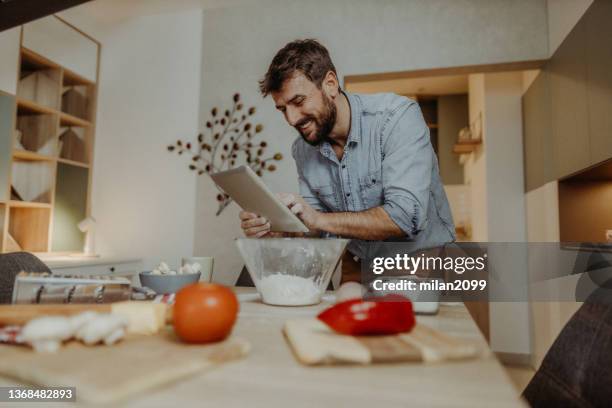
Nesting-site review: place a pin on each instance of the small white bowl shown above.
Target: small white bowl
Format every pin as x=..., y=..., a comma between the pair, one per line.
x=163, y=284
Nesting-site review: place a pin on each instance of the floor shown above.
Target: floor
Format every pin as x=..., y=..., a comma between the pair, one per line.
x=520, y=376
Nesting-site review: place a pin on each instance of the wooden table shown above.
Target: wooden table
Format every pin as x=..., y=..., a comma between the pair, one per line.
x=271, y=377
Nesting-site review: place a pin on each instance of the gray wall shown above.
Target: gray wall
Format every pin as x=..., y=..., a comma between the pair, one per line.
x=452, y=117
x=363, y=37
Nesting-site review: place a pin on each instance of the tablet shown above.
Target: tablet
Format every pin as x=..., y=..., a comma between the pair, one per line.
x=250, y=192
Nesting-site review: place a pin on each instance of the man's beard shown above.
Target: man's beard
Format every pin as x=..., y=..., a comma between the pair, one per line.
x=323, y=125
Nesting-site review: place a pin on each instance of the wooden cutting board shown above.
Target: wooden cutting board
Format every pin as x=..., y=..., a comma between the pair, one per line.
x=313, y=343
x=105, y=374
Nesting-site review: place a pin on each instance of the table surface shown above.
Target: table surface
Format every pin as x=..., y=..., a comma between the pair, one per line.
x=270, y=376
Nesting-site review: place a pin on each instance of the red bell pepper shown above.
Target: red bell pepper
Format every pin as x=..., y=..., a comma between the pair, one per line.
x=390, y=314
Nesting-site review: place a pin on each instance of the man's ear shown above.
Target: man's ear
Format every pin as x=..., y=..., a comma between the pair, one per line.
x=331, y=85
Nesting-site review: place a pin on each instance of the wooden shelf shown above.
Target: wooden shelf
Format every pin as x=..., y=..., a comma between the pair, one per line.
x=27, y=204
x=69, y=120
x=73, y=163
x=31, y=59
x=65, y=119
x=33, y=107
x=466, y=147
x=27, y=155
x=73, y=79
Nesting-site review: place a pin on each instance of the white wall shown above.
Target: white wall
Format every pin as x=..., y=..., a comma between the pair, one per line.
x=363, y=37
x=562, y=17
x=144, y=197
x=510, y=325
x=495, y=175
x=504, y=129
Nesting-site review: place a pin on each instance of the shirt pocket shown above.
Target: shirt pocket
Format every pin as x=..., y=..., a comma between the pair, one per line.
x=371, y=187
x=327, y=196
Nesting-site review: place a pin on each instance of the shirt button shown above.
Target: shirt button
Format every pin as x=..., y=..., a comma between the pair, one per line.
x=348, y=194
x=344, y=166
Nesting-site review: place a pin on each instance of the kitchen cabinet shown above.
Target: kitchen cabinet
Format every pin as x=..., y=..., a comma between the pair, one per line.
x=568, y=92
x=599, y=74
x=537, y=122
x=567, y=123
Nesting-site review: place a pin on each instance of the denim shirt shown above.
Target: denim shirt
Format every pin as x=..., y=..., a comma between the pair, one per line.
x=388, y=161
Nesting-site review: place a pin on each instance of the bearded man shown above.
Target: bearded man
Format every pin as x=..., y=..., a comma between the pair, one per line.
x=366, y=166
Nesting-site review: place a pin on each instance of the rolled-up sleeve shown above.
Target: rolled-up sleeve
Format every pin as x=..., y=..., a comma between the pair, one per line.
x=407, y=163
x=305, y=191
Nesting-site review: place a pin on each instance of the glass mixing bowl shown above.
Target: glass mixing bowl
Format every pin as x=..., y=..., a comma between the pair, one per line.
x=291, y=271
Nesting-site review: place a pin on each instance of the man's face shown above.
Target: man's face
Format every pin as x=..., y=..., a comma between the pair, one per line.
x=307, y=108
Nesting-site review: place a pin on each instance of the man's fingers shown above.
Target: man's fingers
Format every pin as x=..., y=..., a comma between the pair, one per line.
x=262, y=233
x=297, y=209
x=259, y=231
x=286, y=198
x=253, y=222
x=245, y=215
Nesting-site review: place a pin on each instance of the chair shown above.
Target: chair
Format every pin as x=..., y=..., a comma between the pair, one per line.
x=576, y=370
x=13, y=263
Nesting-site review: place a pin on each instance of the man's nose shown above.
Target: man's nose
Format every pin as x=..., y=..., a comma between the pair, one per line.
x=293, y=116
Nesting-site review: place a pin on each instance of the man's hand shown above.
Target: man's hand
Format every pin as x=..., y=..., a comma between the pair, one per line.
x=255, y=226
x=309, y=216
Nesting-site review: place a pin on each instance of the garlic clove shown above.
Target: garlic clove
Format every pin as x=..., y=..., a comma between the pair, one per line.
x=79, y=320
x=49, y=327
x=96, y=330
x=187, y=269
x=114, y=337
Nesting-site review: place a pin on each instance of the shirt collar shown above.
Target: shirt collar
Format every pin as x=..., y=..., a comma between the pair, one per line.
x=355, y=130
x=355, y=107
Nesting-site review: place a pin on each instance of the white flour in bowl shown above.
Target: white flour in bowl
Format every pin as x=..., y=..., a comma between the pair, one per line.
x=288, y=290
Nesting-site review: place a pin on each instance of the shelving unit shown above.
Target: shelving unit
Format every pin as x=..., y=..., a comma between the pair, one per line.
x=46, y=147
x=32, y=180
x=29, y=227
x=70, y=207
x=40, y=80
x=472, y=140
x=466, y=147
x=74, y=145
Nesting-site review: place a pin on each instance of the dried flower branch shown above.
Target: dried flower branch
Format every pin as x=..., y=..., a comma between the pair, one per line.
x=227, y=140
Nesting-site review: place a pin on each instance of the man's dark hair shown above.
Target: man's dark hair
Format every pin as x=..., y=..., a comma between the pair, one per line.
x=309, y=57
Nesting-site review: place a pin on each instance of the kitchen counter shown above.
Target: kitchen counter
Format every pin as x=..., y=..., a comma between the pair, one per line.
x=270, y=376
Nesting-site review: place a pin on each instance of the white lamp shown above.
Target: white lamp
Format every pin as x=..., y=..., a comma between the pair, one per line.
x=88, y=226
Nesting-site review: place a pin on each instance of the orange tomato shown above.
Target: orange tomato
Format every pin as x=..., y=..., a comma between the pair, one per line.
x=204, y=312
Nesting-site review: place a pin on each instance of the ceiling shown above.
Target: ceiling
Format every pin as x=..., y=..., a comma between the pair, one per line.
x=108, y=11
x=438, y=85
